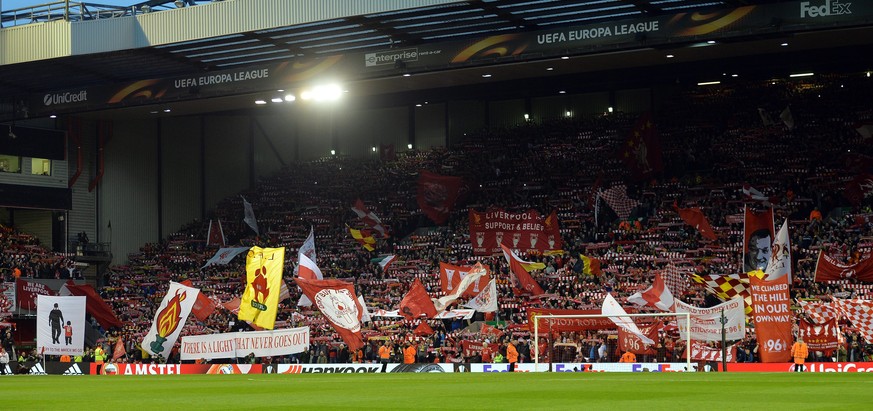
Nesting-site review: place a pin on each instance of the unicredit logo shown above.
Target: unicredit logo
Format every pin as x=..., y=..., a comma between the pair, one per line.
x=829, y=8
x=65, y=98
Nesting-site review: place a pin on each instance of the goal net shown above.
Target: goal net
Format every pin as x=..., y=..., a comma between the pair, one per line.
x=562, y=346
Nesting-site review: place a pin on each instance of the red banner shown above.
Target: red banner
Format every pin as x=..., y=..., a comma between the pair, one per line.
x=808, y=367
x=829, y=269
x=417, y=302
x=338, y=303
x=471, y=348
x=758, y=235
x=773, y=318
x=26, y=292
x=437, y=195
x=451, y=275
x=172, y=369
x=820, y=337
x=525, y=232
x=694, y=217
x=96, y=307
x=632, y=343
x=547, y=325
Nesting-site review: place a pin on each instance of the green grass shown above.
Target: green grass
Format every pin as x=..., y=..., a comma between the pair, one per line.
x=498, y=391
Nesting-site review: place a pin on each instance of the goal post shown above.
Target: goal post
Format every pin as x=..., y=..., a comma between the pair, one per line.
x=536, y=330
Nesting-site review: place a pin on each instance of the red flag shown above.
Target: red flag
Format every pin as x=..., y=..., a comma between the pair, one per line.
x=526, y=282
x=203, y=307
x=773, y=318
x=758, y=239
x=215, y=235
x=417, y=302
x=829, y=269
x=423, y=329
x=232, y=305
x=437, y=195
x=119, y=350
x=642, y=150
x=859, y=188
x=94, y=305
x=695, y=218
x=338, y=303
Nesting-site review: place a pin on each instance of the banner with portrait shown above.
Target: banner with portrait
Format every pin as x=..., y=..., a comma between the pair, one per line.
x=60, y=325
x=527, y=232
x=758, y=234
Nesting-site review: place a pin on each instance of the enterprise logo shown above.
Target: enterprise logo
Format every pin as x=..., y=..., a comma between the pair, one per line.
x=390, y=56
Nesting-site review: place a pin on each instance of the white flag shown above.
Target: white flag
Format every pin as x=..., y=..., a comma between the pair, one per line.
x=169, y=319
x=250, y=216
x=486, y=300
x=787, y=118
x=618, y=316
x=224, y=255
x=365, y=317
x=307, y=249
x=658, y=296
x=780, y=261
x=60, y=325
x=307, y=270
x=706, y=322
x=471, y=278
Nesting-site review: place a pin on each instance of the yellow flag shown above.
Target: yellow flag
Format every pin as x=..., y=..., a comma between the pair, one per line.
x=263, y=283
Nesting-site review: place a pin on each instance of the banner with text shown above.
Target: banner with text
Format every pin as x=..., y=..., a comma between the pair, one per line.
x=773, y=318
x=549, y=325
x=820, y=337
x=60, y=325
x=706, y=322
x=526, y=232
x=240, y=344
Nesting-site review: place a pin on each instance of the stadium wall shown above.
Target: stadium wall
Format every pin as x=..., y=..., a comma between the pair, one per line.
x=181, y=172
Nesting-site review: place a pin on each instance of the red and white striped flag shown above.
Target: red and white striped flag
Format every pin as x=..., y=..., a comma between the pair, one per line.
x=676, y=278
x=617, y=199
x=369, y=217
x=215, y=235
x=658, y=296
x=860, y=313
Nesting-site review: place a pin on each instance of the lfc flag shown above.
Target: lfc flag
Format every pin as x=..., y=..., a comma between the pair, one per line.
x=486, y=301
x=260, y=300
x=517, y=266
x=417, y=302
x=780, y=262
x=452, y=275
x=828, y=268
x=169, y=319
x=119, y=350
x=338, y=303
x=476, y=272
x=630, y=342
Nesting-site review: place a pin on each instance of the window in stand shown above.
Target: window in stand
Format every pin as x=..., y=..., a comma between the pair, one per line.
x=10, y=164
x=40, y=166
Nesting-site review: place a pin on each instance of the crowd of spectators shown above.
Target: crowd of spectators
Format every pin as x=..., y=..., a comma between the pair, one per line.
x=713, y=141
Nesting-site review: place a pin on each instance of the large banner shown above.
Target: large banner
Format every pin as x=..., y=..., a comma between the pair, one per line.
x=240, y=344
x=808, y=367
x=622, y=367
x=706, y=322
x=60, y=325
x=829, y=269
x=27, y=291
x=451, y=276
x=260, y=300
x=526, y=232
x=549, y=325
x=757, y=239
x=773, y=318
x=174, y=369
x=820, y=337
x=169, y=319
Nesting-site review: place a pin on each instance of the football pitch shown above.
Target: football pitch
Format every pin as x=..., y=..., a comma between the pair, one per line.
x=497, y=391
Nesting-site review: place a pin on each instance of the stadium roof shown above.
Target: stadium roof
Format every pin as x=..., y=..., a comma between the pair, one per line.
x=402, y=28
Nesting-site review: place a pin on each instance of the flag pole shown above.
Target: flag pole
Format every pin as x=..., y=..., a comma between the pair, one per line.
x=536, y=343
x=723, y=342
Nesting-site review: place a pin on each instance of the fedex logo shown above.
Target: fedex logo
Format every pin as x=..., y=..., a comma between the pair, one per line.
x=829, y=8
x=652, y=368
x=495, y=368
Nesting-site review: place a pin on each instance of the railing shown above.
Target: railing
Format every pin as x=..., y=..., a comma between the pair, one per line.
x=73, y=11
